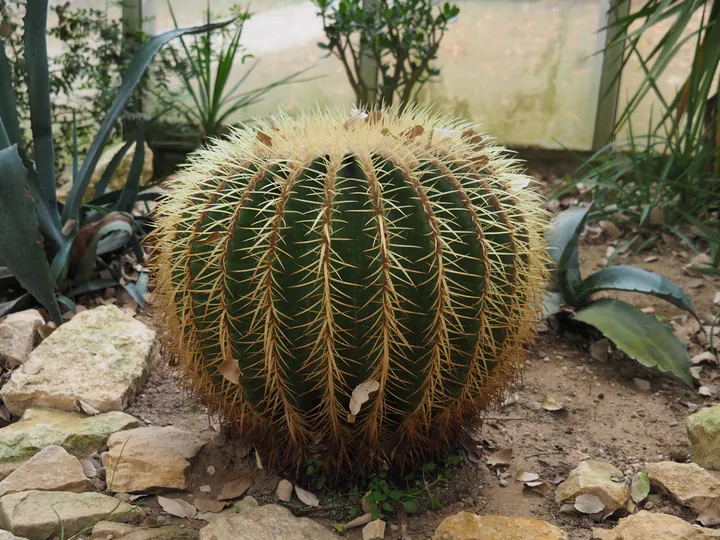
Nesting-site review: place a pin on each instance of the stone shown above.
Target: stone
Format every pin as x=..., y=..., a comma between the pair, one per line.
x=18, y=333
x=34, y=514
x=375, y=530
x=595, y=478
x=687, y=483
x=107, y=529
x=648, y=525
x=245, y=504
x=6, y=535
x=268, y=522
x=152, y=458
x=102, y=357
x=703, y=430
x=78, y=434
x=468, y=526
x=119, y=176
x=51, y=469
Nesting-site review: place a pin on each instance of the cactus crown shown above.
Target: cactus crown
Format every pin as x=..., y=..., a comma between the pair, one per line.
x=354, y=289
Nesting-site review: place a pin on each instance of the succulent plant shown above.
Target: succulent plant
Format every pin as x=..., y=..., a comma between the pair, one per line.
x=357, y=289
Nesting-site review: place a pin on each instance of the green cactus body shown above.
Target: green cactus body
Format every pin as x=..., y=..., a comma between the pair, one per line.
x=304, y=258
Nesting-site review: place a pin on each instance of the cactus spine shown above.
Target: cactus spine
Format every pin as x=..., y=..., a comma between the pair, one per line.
x=301, y=259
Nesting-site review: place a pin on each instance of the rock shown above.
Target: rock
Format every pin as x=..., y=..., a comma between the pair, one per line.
x=102, y=357
x=35, y=513
x=268, y=522
x=596, y=478
x=18, y=333
x=78, y=434
x=245, y=504
x=51, y=469
x=107, y=529
x=375, y=530
x=119, y=176
x=703, y=430
x=467, y=526
x=648, y=525
x=153, y=458
x=5, y=535
x=686, y=483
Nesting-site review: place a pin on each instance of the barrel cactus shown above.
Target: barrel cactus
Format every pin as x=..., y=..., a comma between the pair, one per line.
x=356, y=289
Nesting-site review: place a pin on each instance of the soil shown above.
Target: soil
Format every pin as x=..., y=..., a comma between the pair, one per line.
x=606, y=416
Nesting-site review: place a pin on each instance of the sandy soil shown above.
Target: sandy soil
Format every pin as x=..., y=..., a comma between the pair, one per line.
x=605, y=417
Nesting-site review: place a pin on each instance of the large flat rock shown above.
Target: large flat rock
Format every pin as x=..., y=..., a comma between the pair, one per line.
x=80, y=435
x=686, y=483
x=703, y=430
x=654, y=526
x=151, y=458
x=269, y=522
x=34, y=514
x=7, y=535
x=594, y=478
x=102, y=357
x=51, y=469
x=467, y=526
x=18, y=332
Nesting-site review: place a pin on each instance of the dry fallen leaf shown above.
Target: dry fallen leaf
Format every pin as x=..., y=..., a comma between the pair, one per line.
x=88, y=466
x=235, y=488
x=205, y=489
x=599, y=350
x=86, y=408
x=284, y=490
x=551, y=404
x=704, y=357
x=258, y=460
x=695, y=372
x=519, y=183
x=588, y=503
x=177, y=507
x=499, y=458
x=208, y=505
x=640, y=486
x=539, y=486
x=359, y=396
x=705, y=391
x=359, y=521
x=652, y=258
x=611, y=229
x=716, y=298
x=230, y=370
x=657, y=216
x=306, y=497
x=523, y=476
x=265, y=139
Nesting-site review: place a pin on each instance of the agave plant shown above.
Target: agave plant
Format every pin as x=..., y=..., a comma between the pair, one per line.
x=639, y=335
x=46, y=247
x=356, y=289
x=206, y=67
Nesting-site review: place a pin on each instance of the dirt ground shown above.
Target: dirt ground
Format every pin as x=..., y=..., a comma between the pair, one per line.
x=606, y=417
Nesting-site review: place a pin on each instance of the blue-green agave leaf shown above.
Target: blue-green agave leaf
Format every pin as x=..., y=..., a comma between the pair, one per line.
x=628, y=278
x=562, y=239
x=641, y=336
x=21, y=244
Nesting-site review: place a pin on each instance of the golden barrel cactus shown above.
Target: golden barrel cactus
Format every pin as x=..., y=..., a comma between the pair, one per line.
x=356, y=289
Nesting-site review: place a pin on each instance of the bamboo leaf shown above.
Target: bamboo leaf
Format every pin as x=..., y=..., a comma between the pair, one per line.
x=640, y=336
x=21, y=244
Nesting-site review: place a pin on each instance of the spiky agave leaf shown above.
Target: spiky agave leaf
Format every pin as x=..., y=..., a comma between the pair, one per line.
x=315, y=254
